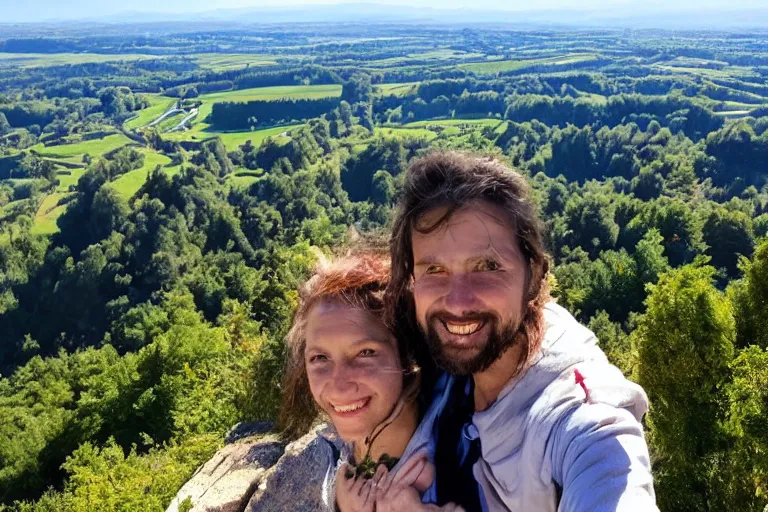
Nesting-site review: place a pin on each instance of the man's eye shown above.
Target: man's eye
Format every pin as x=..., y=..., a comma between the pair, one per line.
x=367, y=352
x=488, y=265
x=434, y=269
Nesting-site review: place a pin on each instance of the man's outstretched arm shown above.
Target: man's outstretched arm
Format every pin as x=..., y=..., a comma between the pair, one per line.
x=600, y=460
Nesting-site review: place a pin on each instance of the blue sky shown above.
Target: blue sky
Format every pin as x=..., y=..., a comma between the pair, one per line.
x=32, y=10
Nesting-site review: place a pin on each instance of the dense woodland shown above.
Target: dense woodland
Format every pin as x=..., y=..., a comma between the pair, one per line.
x=149, y=264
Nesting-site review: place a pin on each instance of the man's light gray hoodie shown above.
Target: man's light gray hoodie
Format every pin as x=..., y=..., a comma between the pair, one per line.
x=566, y=434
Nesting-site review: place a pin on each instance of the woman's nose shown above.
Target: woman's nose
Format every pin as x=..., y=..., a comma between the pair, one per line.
x=344, y=378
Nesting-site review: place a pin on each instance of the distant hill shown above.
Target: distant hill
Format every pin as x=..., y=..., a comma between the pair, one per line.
x=635, y=14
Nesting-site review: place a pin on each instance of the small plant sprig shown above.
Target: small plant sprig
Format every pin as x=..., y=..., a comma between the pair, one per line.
x=367, y=468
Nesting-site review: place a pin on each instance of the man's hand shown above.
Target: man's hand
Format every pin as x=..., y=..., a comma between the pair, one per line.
x=397, y=491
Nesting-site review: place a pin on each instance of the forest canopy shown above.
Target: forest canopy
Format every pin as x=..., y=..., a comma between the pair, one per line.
x=159, y=209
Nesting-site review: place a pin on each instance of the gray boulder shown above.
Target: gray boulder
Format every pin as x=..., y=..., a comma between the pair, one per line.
x=295, y=483
x=256, y=471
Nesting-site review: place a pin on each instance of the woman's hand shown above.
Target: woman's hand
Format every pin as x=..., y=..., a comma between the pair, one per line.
x=354, y=494
x=397, y=491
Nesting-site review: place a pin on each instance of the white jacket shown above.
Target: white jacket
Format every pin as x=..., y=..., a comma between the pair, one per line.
x=547, y=446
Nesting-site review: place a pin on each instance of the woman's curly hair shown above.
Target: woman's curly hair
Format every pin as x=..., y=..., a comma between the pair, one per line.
x=358, y=280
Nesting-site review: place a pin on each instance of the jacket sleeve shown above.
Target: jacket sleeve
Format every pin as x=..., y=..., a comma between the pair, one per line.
x=600, y=461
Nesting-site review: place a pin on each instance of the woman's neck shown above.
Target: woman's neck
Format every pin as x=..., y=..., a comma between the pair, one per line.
x=395, y=436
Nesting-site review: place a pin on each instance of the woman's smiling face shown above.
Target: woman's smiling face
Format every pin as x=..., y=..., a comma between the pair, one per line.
x=353, y=367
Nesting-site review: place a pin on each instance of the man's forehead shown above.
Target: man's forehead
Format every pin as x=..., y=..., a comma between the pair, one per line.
x=478, y=211
x=475, y=228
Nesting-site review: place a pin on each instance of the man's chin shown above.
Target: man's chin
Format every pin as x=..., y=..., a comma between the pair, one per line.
x=458, y=360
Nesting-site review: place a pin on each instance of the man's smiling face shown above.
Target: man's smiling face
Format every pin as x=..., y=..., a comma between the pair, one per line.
x=469, y=285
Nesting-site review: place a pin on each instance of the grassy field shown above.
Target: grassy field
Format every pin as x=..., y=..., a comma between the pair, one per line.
x=407, y=133
x=401, y=89
x=65, y=180
x=230, y=61
x=234, y=139
x=500, y=66
x=48, y=213
x=434, y=55
x=170, y=122
x=448, y=127
x=145, y=116
x=729, y=72
x=94, y=147
x=266, y=94
x=733, y=114
x=242, y=178
x=274, y=93
x=202, y=131
x=130, y=183
x=445, y=54
x=454, y=122
x=36, y=60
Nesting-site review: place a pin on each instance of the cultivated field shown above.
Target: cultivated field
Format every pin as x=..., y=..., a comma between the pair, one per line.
x=94, y=147
x=501, y=66
x=33, y=60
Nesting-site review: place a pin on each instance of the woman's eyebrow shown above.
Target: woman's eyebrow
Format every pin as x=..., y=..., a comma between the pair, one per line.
x=426, y=260
x=362, y=341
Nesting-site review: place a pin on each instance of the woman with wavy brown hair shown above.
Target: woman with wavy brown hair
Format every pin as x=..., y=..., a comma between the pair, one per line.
x=346, y=364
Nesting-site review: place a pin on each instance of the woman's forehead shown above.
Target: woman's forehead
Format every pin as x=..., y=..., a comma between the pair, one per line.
x=335, y=319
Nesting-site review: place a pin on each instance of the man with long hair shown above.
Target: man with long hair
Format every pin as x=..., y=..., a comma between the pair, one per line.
x=540, y=420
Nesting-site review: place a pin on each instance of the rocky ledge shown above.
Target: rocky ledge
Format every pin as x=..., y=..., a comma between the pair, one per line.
x=256, y=471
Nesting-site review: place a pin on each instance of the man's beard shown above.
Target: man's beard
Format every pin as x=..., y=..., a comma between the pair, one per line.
x=498, y=341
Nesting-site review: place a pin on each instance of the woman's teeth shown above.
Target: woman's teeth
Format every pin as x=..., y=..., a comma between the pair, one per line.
x=463, y=329
x=350, y=407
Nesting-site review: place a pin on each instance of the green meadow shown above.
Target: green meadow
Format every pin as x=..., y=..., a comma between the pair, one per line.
x=95, y=147
x=47, y=214
x=33, y=60
x=231, y=61
x=130, y=183
x=399, y=89
x=454, y=122
x=501, y=66
x=145, y=116
x=231, y=140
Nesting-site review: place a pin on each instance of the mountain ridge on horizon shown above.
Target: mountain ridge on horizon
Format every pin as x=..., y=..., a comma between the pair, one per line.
x=639, y=15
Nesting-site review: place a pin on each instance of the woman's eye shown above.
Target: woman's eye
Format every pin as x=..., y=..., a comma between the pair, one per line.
x=318, y=358
x=367, y=352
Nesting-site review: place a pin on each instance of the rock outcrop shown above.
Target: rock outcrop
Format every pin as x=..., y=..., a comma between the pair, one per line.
x=257, y=472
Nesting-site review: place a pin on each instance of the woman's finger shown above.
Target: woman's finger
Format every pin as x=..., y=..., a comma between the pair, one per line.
x=386, y=481
x=342, y=474
x=380, y=473
x=367, y=492
x=357, y=488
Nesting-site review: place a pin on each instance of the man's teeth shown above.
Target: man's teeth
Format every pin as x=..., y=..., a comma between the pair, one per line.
x=463, y=329
x=350, y=407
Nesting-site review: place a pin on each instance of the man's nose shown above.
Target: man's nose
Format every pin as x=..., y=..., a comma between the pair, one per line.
x=460, y=296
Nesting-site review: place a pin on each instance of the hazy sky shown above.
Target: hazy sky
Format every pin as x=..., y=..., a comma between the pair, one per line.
x=32, y=10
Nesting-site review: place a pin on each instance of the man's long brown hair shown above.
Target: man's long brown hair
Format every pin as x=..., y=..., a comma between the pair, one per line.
x=357, y=280
x=452, y=180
